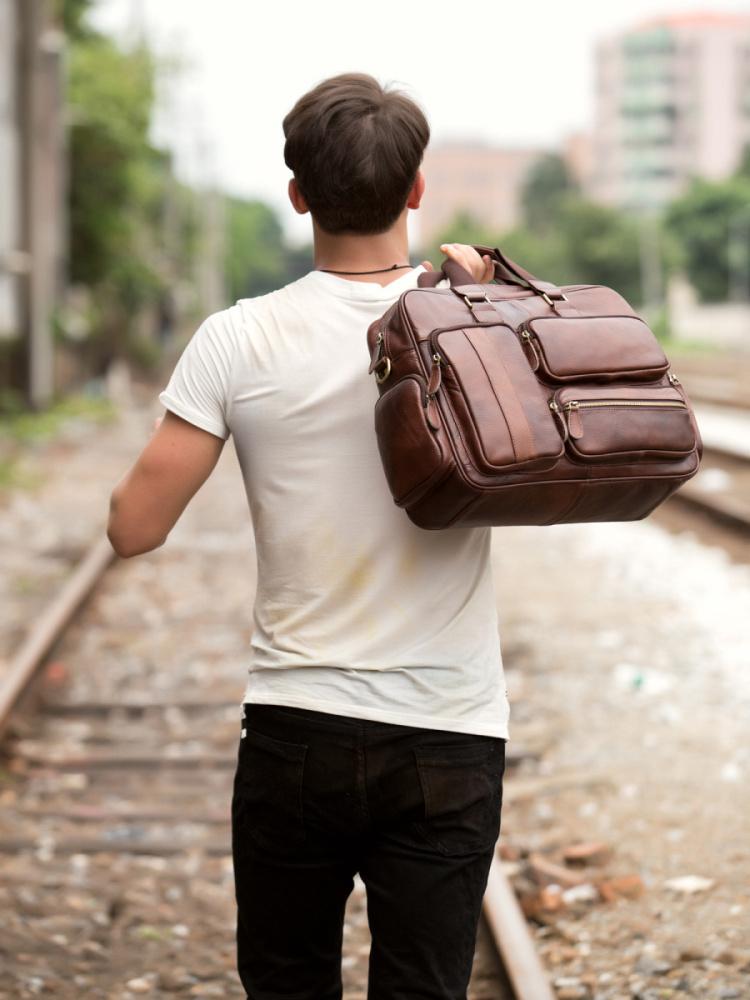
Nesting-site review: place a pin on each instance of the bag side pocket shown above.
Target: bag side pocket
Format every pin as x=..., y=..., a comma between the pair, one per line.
x=410, y=450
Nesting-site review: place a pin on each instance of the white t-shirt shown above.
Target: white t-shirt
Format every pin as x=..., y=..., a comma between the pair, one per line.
x=358, y=611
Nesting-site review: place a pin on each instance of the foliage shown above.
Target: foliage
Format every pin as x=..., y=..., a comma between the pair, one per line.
x=22, y=425
x=743, y=169
x=134, y=230
x=547, y=186
x=601, y=247
x=542, y=255
x=19, y=427
x=72, y=16
x=254, y=258
x=703, y=223
x=110, y=94
x=463, y=228
x=589, y=244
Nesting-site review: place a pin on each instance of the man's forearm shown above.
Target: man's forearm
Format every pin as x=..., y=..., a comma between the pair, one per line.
x=128, y=539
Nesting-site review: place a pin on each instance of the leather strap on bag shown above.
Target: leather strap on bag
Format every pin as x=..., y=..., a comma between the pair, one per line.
x=506, y=271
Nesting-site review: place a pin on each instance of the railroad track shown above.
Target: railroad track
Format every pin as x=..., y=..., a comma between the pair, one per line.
x=721, y=488
x=116, y=784
x=116, y=827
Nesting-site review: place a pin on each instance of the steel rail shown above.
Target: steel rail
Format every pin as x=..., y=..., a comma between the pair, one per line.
x=50, y=625
x=515, y=945
x=508, y=928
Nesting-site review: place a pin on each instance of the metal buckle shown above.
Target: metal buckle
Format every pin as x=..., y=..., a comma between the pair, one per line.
x=386, y=373
x=469, y=302
x=551, y=302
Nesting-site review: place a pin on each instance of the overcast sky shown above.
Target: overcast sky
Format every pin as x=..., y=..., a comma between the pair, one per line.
x=506, y=73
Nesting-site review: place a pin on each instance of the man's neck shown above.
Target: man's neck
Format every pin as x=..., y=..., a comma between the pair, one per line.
x=350, y=253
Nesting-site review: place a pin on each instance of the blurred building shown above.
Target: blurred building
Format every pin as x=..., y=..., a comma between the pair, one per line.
x=578, y=153
x=672, y=100
x=31, y=192
x=482, y=180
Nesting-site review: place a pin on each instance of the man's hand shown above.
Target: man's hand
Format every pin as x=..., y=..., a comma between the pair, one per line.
x=481, y=268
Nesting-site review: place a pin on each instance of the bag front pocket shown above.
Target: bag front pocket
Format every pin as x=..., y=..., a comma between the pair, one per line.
x=506, y=405
x=634, y=423
x=605, y=348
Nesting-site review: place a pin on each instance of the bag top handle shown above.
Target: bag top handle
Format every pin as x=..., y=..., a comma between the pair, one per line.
x=505, y=269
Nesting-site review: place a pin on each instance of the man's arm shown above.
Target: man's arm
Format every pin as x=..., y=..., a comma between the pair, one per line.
x=149, y=499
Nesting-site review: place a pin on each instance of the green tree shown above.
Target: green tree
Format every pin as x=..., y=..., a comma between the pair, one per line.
x=601, y=246
x=705, y=222
x=548, y=186
x=589, y=244
x=464, y=228
x=541, y=255
x=110, y=96
x=72, y=16
x=255, y=258
x=743, y=169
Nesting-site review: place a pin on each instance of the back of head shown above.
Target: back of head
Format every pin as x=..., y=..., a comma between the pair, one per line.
x=354, y=148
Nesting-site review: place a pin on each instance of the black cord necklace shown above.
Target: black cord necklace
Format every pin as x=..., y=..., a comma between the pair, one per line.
x=393, y=267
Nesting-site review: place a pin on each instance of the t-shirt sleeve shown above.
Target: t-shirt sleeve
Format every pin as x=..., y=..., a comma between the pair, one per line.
x=198, y=389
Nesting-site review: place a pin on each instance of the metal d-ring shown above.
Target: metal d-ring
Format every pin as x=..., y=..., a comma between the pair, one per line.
x=386, y=373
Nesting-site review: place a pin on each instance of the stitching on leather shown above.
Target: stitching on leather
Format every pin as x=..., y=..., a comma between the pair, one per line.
x=532, y=441
x=404, y=500
x=457, y=429
x=505, y=417
x=571, y=506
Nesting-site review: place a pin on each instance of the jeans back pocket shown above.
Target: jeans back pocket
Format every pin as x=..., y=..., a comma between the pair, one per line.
x=462, y=788
x=267, y=796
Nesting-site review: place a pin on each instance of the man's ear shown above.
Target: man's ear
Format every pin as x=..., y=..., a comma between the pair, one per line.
x=296, y=198
x=417, y=190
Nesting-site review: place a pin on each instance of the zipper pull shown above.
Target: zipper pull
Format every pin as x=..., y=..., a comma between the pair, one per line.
x=558, y=413
x=673, y=380
x=430, y=406
x=530, y=347
x=575, y=426
x=435, y=375
x=376, y=353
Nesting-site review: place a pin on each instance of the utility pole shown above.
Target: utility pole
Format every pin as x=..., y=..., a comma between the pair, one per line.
x=211, y=280
x=41, y=96
x=652, y=290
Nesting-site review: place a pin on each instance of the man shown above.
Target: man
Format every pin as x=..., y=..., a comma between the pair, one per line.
x=375, y=713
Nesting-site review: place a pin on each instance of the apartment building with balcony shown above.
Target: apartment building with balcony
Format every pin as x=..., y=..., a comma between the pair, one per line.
x=672, y=101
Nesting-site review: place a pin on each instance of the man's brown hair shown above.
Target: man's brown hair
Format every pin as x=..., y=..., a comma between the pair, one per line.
x=354, y=148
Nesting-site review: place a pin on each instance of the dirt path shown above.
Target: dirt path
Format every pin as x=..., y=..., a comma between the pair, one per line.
x=116, y=878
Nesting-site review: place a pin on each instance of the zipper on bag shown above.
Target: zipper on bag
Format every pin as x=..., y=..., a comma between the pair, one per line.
x=530, y=348
x=380, y=358
x=435, y=379
x=434, y=382
x=569, y=416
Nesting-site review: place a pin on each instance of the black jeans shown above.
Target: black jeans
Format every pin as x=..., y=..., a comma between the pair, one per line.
x=320, y=797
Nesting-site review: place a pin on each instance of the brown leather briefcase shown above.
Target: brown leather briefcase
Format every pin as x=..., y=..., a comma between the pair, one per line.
x=520, y=402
